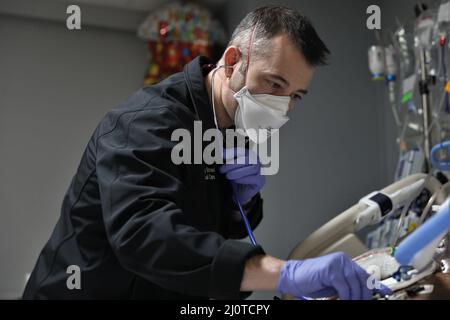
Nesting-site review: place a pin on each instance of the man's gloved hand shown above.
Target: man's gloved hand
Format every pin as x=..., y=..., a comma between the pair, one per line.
x=243, y=169
x=331, y=275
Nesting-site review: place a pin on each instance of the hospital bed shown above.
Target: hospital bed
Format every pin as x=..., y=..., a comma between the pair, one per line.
x=343, y=233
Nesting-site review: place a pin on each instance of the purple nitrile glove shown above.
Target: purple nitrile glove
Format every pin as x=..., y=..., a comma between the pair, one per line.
x=330, y=275
x=243, y=169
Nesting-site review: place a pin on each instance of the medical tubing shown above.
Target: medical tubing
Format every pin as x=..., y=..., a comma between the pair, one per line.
x=430, y=203
x=436, y=114
x=399, y=226
x=243, y=215
x=444, y=67
x=440, y=164
x=444, y=96
x=424, y=235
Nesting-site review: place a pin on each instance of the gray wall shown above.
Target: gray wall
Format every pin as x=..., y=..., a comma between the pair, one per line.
x=55, y=86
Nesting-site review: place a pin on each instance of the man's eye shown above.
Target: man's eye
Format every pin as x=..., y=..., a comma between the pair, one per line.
x=274, y=85
x=296, y=97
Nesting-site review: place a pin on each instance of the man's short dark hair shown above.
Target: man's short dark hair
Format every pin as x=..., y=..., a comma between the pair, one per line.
x=267, y=22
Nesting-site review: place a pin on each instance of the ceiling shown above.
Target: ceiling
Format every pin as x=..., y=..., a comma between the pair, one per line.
x=123, y=15
x=138, y=5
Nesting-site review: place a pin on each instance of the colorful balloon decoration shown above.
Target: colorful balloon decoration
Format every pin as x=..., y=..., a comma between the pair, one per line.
x=177, y=33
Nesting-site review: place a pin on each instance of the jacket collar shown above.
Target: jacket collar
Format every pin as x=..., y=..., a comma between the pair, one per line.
x=194, y=73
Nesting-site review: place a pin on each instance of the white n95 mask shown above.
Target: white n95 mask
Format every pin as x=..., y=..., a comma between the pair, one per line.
x=260, y=111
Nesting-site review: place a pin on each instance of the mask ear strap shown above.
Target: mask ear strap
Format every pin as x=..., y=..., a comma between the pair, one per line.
x=212, y=89
x=249, y=50
x=212, y=93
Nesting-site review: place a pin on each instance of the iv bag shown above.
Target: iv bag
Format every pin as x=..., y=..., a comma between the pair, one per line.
x=424, y=29
x=403, y=40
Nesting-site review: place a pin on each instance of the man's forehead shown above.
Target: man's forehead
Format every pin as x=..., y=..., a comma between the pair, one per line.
x=282, y=56
x=294, y=72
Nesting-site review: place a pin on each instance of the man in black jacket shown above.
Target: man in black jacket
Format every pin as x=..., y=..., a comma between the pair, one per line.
x=136, y=225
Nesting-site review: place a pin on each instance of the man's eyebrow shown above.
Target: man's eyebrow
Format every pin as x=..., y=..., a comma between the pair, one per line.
x=280, y=78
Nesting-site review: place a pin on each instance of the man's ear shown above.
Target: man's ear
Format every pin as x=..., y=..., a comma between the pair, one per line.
x=232, y=55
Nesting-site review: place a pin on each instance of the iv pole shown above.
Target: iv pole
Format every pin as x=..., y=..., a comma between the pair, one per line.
x=425, y=96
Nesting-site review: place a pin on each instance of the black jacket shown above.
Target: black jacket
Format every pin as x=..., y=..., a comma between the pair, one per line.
x=139, y=226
